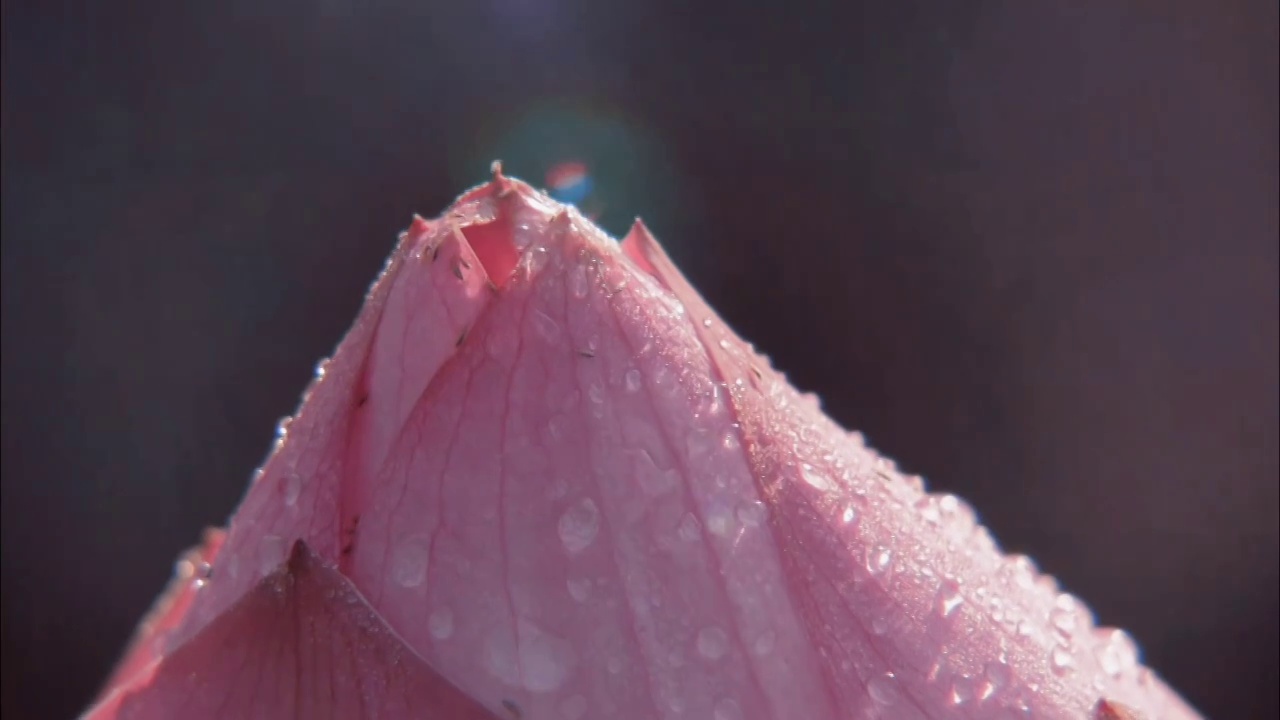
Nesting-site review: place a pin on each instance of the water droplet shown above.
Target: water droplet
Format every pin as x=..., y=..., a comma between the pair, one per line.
x=1024, y=571
x=632, y=380
x=579, y=588
x=1024, y=628
x=595, y=393
x=409, y=561
x=765, y=642
x=1117, y=653
x=879, y=558
x=545, y=660
x=997, y=609
x=699, y=444
x=961, y=690
x=815, y=478
x=441, y=623
x=929, y=510
x=653, y=479
x=710, y=405
x=879, y=626
x=712, y=642
x=689, y=529
x=949, y=598
x=948, y=505
x=849, y=515
x=579, y=525
x=271, y=553
x=1064, y=621
x=996, y=676
x=663, y=379
x=883, y=688
x=614, y=665
x=322, y=367
x=573, y=708
x=728, y=709
x=706, y=322
x=578, y=282
x=282, y=427
x=719, y=521
x=535, y=260
x=752, y=513
x=1061, y=661
x=559, y=488
x=501, y=342
x=546, y=327
x=292, y=488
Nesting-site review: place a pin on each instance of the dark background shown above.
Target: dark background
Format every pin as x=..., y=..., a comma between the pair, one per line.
x=1030, y=250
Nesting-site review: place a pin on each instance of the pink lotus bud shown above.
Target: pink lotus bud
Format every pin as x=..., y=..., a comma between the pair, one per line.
x=540, y=478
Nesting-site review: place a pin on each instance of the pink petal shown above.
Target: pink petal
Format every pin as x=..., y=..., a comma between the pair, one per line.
x=301, y=644
x=169, y=610
x=568, y=486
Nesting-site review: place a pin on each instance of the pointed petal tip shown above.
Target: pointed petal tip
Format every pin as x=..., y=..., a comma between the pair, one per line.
x=642, y=248
x=307, y=622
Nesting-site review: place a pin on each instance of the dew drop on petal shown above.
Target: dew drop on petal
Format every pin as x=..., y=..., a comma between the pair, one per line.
x=632, y=380
x=712, y=643
x=1063, y=621
x=948, y=505
x=879, y=558
x=719, y=521
x=929, y=510
x=573, y=708
x=815, y=479
x=961, y=690
x=409, y=562
x=440, y=623
x=1116, y=652
x=764, y=643
x=579, y=588
x=544, y=661
x=292, y=488
x=997, y=674
x=271, y=553
x=849, y=516
x=578, y=282
x=1061, y=661
x=752, y=513
x=949, y=598
x=547, y=328
x=579, y=526
x=727, y=709
x=689, y=529
x=883, y=688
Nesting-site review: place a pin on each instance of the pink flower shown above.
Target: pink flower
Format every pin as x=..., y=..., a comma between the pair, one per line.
x=540, y=478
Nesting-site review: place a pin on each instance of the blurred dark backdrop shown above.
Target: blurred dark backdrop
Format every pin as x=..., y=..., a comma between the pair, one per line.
x=1030, y=250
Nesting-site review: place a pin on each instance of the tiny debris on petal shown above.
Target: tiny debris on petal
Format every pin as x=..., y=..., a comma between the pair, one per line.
x=1112, y=710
